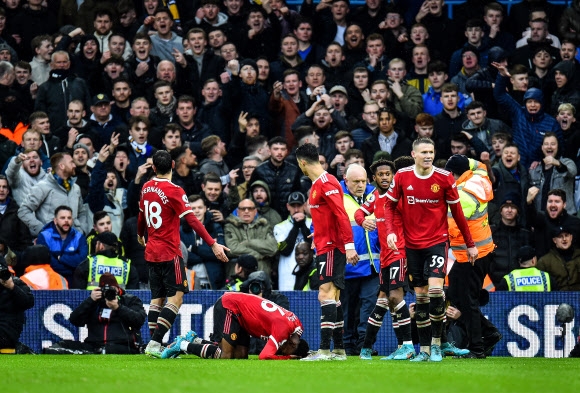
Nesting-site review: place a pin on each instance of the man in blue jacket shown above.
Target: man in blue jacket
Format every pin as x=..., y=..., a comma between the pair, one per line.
x=68, y=247
x=529, y=123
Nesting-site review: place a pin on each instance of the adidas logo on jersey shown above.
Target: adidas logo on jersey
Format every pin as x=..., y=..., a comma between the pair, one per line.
x=410, y=188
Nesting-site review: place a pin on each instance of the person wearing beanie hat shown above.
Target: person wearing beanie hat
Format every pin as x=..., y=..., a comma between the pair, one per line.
x=529, y=122
x=457, y=164
x=466, y=277
x=38, y=274
x=470, y=65
x=113, y=319
x=106, y=259
x=566, y=93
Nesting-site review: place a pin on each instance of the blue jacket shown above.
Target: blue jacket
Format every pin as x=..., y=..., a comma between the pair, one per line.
x=67, y=254
x=528, y=130
x=432, y=102
x=365, y=243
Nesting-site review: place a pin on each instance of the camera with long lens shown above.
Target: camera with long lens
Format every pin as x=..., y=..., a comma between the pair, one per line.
x=4, y=273
x=256, y=287
x=109, y=292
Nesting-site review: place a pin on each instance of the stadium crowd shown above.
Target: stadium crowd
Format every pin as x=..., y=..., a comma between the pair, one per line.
x=89, y=91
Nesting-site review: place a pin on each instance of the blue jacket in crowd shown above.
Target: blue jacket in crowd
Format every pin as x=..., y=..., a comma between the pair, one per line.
x=65, y=254
x=528, y=129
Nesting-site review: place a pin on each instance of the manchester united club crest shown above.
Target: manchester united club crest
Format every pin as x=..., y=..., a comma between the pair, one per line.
x=313, y=195
x=435, y=187
x=185, y=283
x=234, y=336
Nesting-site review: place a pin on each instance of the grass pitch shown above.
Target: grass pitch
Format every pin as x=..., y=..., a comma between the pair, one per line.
x=113, y=373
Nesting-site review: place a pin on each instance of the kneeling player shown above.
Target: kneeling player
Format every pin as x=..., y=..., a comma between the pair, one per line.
x=237, y=316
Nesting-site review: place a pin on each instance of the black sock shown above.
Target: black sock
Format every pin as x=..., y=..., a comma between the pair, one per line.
x=444, y=331
x=338, y=330
x=165, y=321
x=327, y=321
x=152, y=316
x=205, y=351
x=375, y=322
x=436, y=311
x=423, y=321
x=404, y=320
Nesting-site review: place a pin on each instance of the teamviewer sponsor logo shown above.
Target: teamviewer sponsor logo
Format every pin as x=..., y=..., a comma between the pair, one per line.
x=114, y=270
x=528, y=281
x=329, y=193
x=411, y=200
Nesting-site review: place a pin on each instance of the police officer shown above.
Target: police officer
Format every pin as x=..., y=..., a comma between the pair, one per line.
x=245, y=264
x=527, y=278
x=105, y=260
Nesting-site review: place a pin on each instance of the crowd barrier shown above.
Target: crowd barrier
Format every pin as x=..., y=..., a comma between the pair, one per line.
x=526, y=320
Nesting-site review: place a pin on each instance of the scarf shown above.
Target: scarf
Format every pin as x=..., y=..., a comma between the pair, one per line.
x=59, y=75
x=140, y=149
x=167, y=110
x=66, y=183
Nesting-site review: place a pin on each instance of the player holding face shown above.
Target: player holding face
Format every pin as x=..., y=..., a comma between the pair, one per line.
x=334, y=247
x=161, y=206
x=426, y=193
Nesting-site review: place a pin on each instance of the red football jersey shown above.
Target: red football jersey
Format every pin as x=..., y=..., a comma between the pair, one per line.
x=331, y=223
x=423, y=206
x=264, y=319
x=161, y=206
x=377, y=205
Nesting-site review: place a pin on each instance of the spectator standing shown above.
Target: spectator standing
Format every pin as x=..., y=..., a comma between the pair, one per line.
x=509, y=236
x=57, y=189
x=289, y=234
x=60, y=89
x=248, y=233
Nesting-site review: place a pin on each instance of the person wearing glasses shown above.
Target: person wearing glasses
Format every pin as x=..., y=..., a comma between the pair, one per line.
x=246, y=232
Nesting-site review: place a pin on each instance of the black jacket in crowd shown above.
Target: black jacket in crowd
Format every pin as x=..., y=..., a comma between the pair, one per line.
x=508, y=241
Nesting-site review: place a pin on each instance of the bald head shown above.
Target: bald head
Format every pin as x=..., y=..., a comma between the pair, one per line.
x=356, y=180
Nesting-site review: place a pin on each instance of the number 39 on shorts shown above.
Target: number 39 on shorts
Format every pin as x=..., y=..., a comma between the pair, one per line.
x=437, y=261
x=153, y=214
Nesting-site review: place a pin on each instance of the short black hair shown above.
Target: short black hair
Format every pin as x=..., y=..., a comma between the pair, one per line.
x=61, y=207
x=403, y=162
x=558, y=192
x=162, y=162
x=382, y=162
x=307, y=152
x=99, y=216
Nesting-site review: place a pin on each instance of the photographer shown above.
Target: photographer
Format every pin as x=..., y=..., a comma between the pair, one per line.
x=113, y=319
x=15, y=298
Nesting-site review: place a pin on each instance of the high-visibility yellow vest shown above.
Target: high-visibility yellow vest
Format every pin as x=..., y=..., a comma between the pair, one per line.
x=530, y=279
x=100, y=264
